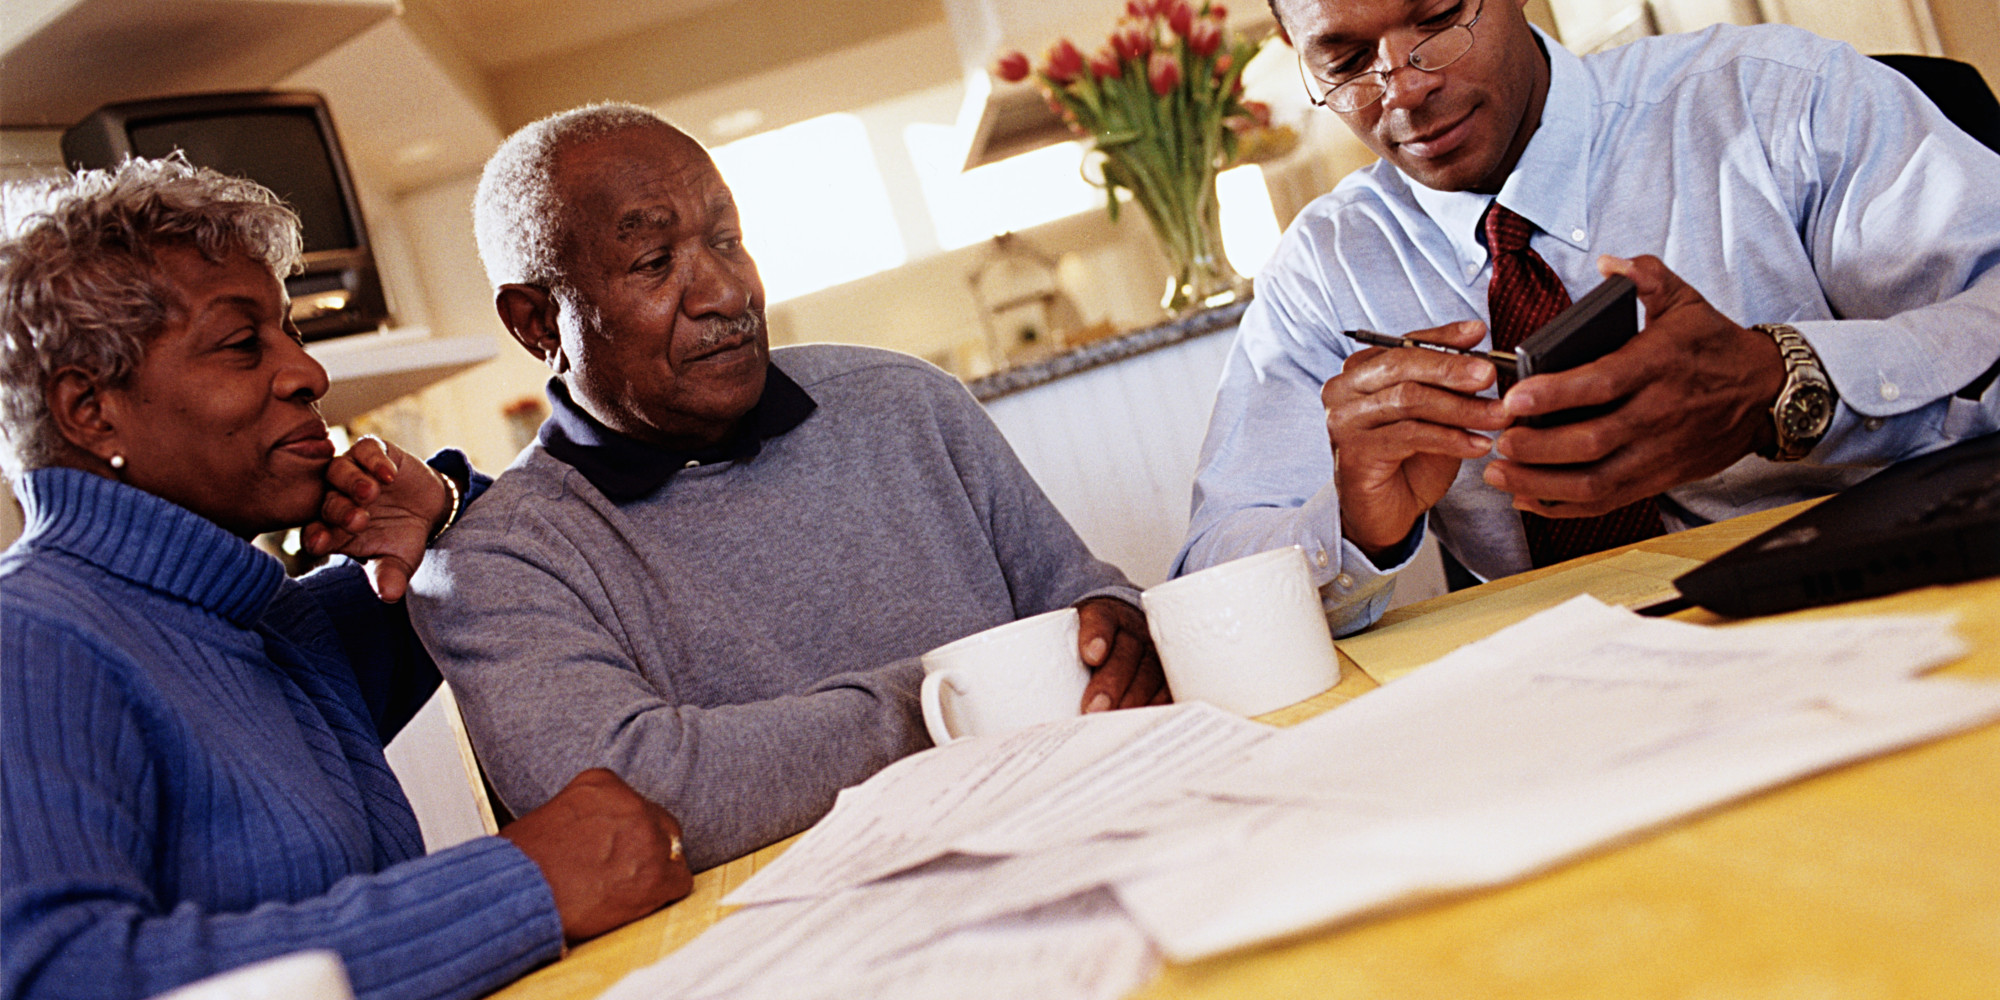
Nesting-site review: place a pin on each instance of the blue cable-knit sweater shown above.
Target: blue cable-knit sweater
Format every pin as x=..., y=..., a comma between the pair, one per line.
x=193, y=770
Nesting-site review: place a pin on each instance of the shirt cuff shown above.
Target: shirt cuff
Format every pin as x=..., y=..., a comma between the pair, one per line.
x=1353, y=589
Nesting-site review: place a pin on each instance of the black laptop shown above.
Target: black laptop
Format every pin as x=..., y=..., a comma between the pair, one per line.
x=1933, y=519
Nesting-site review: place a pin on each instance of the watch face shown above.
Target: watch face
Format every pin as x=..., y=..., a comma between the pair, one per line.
x=1807, y=412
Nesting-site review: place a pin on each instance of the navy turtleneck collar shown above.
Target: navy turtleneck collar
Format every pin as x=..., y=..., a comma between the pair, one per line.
x=149, y=541
x=625, y=469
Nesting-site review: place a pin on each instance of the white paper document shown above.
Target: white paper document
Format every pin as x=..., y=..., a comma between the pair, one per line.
x=1064, y=861
x=874, y=943
x=1572, y=729
x=1026, y=791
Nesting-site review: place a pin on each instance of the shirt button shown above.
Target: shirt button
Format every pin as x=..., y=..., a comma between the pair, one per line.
x=691, y=463
x=1344, y=581
x=1576, y=234
x=1890, y=392
x=1873, y=423
x=1320, y=558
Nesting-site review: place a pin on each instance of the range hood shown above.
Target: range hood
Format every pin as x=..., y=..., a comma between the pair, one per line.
x=1004, y=119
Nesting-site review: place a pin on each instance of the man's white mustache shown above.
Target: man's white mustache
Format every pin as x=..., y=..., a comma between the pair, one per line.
x=721, y=332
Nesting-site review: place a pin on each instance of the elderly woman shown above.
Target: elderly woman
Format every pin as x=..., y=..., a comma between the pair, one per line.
x=194, y=776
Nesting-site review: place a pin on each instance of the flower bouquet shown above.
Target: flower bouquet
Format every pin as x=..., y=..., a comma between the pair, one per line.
x=1162, y=101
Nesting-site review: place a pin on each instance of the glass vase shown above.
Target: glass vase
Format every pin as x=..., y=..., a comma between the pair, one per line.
x=1190, y=233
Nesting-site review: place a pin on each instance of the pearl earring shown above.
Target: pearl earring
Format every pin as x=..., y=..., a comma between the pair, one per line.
x=117, y=461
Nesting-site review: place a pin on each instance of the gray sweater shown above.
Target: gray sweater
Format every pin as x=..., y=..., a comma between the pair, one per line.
x=742, y=644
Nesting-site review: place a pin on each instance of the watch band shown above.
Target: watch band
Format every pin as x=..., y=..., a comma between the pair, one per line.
x=1804, y=408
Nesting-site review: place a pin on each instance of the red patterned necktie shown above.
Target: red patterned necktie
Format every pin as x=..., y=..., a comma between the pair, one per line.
x=1524, y=295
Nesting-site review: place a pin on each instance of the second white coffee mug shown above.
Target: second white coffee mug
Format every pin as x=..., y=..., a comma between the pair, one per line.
x=1008, y=677
x=1248, y=636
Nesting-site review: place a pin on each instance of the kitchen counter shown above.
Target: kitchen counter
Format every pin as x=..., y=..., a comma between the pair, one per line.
x=1098, y=353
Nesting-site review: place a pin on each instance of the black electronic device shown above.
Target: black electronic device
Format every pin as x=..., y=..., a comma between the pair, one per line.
x=1932, y=519
x=1594, y=326
x=284, y=140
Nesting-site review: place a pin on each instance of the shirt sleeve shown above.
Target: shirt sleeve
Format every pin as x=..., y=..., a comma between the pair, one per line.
x=79, y=829
x=1904, y=233
x=1265, y=476
x=394, y=671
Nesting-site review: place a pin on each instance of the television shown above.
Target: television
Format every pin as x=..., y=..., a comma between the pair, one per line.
x=283, y=140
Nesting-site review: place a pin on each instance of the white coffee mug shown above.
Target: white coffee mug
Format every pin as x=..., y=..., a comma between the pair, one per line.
x=1008, y=677
x=1248, y=636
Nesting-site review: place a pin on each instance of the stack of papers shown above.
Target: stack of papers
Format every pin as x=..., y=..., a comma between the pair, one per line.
x=1067, y=860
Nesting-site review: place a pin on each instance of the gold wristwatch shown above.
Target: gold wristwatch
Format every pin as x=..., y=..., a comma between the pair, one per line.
x=1804, y=409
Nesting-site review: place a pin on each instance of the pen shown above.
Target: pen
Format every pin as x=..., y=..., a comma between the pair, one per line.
x=1503, y=360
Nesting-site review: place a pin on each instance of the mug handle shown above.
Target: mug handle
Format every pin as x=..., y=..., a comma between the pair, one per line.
x=931, y=696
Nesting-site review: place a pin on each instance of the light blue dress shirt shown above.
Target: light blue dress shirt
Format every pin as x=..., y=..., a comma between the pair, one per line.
x=1786, y=177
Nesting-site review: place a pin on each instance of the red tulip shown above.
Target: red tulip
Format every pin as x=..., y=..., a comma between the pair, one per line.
x=1180, y=17
x=1012, y=67
x=1137, y=10
x=1204, y=38
x=1104, y=63
x=1218, y=11
x=1131, y=43
x=1164, y=73
x=1064, y=62
x=1222, y=64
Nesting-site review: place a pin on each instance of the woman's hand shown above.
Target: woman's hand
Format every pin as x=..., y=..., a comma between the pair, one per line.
x=381, y=507
x=610, y=856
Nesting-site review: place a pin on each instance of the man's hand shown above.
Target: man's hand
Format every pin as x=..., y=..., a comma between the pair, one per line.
x=1125, y=669
x=1400, y=421
x=381, y=506
x=1696, y=391
x=609, y=855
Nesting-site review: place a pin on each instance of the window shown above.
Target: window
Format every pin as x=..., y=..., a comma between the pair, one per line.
x=815, y=211
x=1249, y=224
x=1013, y=194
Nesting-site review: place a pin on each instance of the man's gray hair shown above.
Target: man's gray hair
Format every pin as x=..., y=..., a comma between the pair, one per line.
x=517, y=215
x=80, y=284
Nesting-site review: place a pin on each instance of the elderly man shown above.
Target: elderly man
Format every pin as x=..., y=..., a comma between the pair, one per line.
x=1825, y=300
x=714, y=570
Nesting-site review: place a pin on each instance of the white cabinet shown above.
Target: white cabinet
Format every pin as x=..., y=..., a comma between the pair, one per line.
x=61, y=59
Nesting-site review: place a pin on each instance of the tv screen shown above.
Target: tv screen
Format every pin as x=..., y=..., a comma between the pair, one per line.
x=284, y=141
x=281, y=150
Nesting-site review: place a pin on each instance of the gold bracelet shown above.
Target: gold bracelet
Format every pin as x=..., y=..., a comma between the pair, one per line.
x=451, y=513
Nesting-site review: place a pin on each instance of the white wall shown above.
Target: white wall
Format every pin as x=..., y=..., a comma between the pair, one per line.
x=1116, y=448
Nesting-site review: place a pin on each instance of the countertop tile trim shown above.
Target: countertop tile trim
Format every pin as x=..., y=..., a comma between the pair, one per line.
x=1103, y=352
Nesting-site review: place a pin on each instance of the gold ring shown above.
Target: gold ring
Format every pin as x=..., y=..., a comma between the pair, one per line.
x=674, y=848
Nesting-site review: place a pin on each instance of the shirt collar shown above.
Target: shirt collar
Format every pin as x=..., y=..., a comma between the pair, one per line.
x=146, y=540
x=626, y=469
x=1550, y=186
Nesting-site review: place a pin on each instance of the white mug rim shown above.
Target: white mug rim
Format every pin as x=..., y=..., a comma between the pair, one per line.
x=985, y=636
x=1224, y=571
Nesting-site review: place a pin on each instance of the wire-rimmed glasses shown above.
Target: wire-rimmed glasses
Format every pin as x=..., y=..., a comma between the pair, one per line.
x=1355, y=91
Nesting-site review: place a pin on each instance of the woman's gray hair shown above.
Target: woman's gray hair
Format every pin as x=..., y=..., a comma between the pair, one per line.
x=517, y=215
x=80, y=284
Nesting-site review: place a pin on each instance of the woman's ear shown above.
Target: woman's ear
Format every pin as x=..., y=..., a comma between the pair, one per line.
x=82, y=414
x=529, y=313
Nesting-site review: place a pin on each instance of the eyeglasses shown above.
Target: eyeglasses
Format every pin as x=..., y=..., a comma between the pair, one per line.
x=1359, y=90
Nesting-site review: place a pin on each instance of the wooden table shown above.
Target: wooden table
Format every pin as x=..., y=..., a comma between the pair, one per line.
x=1876, y=880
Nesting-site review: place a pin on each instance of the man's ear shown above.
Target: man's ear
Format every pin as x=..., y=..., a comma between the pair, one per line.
x=529, y=313
x=82, y=414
